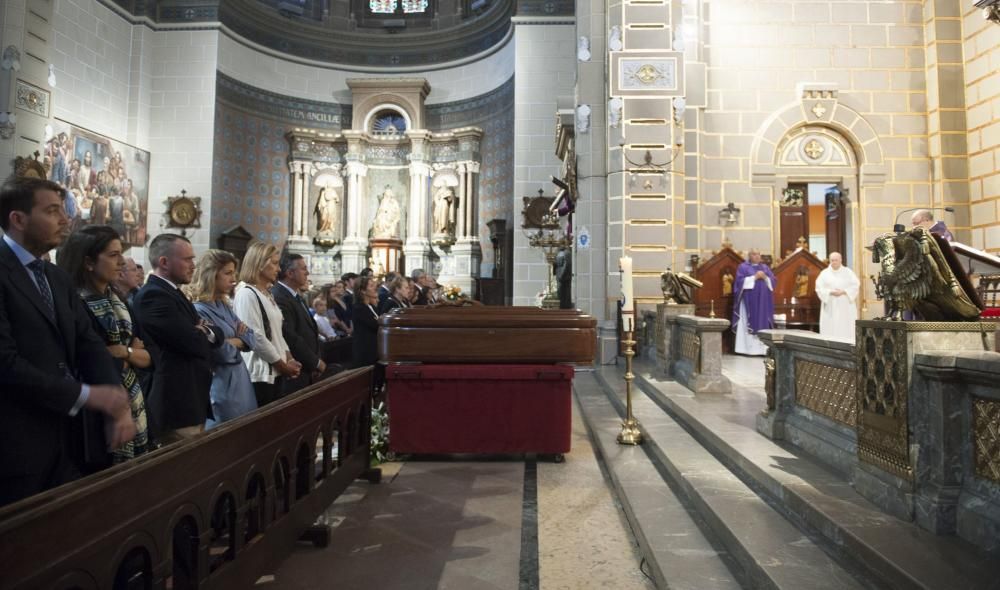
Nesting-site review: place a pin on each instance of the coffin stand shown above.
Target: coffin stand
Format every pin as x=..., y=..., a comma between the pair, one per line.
x=482, y=380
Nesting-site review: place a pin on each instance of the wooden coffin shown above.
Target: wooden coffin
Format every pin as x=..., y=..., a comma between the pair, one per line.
x=482, y=334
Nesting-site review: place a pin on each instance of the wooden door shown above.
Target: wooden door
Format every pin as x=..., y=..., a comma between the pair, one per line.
x=836, y=224
x=793, y=218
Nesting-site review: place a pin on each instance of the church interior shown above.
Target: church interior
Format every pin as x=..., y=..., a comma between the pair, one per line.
x=718, y=288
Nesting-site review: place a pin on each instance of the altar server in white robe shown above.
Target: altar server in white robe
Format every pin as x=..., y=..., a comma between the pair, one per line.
x=837, y=287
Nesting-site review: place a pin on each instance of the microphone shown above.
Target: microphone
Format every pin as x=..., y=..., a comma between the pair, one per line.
x=900, y=228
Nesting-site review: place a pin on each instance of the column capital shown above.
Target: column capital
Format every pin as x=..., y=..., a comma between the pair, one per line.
x=295, y=167
x=420, y=168
x=472, y=167
x=355, y=168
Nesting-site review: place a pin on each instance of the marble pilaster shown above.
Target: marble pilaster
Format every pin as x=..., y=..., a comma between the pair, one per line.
x=354, y=252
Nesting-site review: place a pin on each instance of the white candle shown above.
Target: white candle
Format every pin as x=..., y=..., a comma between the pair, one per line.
x=628, y=303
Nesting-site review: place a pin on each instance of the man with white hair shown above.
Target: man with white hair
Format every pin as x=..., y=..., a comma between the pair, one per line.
x=925, y=219
x=837, y=287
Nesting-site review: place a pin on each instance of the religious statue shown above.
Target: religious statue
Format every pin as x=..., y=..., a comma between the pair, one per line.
x=802, y=281
x=386, y=216
x=328, y=213
x=444, y=203
x=727, y=283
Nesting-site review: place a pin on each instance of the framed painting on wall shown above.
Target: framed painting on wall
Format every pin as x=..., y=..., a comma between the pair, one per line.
x=107, y=181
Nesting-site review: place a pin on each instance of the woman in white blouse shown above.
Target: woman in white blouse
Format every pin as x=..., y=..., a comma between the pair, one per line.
x=270, y=361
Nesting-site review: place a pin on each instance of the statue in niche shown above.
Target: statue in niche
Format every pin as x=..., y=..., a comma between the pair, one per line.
x=802, y=281
x=328, y=213
x=386, y=216
x=444, y=203
x=727, y=283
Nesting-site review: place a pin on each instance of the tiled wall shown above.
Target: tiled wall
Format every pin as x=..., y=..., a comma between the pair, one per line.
x=982, y=97
x=545, y=71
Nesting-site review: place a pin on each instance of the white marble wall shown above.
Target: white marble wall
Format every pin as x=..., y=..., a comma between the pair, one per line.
x=182, y=123
x=92, y=55
x=268, y=72
x=545, y=69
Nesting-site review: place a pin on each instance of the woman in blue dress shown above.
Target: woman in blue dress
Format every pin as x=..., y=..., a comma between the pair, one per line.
x=232, y=392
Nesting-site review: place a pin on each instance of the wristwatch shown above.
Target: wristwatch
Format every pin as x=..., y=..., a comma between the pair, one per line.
x=129, y=355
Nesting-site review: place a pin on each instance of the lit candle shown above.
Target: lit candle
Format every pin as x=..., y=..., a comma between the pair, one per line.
x=628, y=303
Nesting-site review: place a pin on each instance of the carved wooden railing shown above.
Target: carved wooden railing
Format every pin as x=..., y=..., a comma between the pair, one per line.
x=215, y=511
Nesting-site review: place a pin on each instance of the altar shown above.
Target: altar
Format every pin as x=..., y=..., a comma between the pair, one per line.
x=388, y=193
x=483, y=379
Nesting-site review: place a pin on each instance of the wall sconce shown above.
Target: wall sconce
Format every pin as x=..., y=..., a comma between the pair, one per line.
x=8, y=122
x=991, y=9
x=647, y=166
x=11, y=59
x=730, y=215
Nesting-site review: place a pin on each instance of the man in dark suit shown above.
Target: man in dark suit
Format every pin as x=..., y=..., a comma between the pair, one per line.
x=383, y=289
x=52, y=364
x=350, y=282
x=178, y=404
x=421, y=284
x=298, y=327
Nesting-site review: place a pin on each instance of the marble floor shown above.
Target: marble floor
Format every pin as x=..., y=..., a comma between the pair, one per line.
x=483, y=523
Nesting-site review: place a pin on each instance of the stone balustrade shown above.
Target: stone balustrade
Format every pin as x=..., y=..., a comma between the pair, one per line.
x=910, y=417
x=957, y=404
x=667, y=338
x=810, y=389
x=696, y=353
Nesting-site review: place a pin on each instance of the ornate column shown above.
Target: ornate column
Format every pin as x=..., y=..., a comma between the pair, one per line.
x=354, y=252
x=418, y=245
x=300, y=190
x=471, y=179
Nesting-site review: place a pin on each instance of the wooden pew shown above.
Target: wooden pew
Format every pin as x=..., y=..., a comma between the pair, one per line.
x=483, y=379
x=215, y=511
x=795, y=292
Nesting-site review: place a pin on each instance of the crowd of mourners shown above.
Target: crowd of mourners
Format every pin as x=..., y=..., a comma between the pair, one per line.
x=101, y=362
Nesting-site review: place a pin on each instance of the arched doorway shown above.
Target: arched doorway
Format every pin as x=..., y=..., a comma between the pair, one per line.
x=823, y=158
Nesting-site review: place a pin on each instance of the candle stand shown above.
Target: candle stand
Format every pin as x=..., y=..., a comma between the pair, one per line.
x=630, y=434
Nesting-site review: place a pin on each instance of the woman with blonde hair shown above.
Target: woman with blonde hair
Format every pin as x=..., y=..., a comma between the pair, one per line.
x=271, y=360
x=232, y=392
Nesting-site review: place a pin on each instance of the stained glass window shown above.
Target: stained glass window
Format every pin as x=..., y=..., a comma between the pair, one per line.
x=382, y=6
x=414, y=6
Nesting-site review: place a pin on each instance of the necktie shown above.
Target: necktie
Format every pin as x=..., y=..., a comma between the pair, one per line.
x=38, y=269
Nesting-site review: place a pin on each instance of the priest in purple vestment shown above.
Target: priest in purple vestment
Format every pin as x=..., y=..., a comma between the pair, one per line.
x=753, y=304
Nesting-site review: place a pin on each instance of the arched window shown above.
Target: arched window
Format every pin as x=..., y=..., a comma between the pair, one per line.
x=394, y=15
x=388, y=122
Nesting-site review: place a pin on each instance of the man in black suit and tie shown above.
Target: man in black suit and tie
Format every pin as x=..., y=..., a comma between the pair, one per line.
x=298, y=327
x=422, y=283
x=52, y=364
x=178, y=404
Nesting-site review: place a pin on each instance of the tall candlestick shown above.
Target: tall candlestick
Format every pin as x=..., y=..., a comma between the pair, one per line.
x=628, y=303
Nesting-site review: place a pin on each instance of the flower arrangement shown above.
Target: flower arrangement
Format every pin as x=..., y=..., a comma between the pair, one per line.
x=380, y=436
x=453, y=293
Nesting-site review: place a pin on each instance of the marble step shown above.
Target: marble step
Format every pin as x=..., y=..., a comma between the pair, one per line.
x=895, y=553
x=770, y=551
x=676, y=551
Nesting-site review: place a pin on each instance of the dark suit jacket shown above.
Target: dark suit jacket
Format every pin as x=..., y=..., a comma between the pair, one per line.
x=181, y=357
x=301, y=334
x=42, y=364
x=388, y=304
x=364, y=336
x=421, y=298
